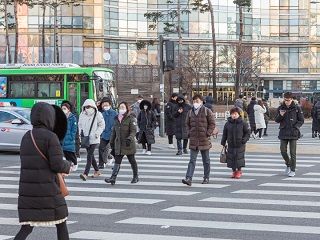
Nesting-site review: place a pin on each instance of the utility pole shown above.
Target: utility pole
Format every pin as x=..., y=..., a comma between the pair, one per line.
x=161, y=76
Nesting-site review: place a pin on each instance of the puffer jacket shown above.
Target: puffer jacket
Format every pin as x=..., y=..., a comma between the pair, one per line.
x=69, y=141
x=200, y=128
x=291, y=122
x=250, y=111
x=170, y=121
x=259, y=116
x=146, y=122
x=40, y=198
x=181, y=129
x=123, y=131
x=85, y=121
x=236, y=134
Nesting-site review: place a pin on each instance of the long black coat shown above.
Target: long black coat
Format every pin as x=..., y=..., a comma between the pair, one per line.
x=147, y=122
x=291, y=122
x=181, y=128
x=170, y=120
x=39, y=194
x=250, y=112
x=316, y=117
x=236, y=134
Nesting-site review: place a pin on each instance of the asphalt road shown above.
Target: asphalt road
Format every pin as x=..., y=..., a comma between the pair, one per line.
x=265, y=204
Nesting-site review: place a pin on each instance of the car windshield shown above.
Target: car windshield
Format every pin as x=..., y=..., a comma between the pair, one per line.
x=25, y=113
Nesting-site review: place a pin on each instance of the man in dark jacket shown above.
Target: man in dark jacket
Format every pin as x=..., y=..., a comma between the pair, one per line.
x=315, y=113
x=200, y=125
x=250, y=112
x=290, y=117
x=181, y=133
x=108, y=115
x=170, y=121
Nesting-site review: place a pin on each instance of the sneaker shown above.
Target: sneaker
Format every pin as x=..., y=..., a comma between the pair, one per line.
x=83, y=177
x=238, y=175
x=144, y=151
x=171, y=146
x=266, y=135
x=179, y=153
x=185, y=151
x=205, y=181
x=101, y=166
x=79, y=159
x=233, y=174
x=287, y=171
x=148, y=153
x=74, y=168
x=254, y=136
x=110, y=161
x=291, y=174
x=187, y=181
x=260, y=138
x=96, y=174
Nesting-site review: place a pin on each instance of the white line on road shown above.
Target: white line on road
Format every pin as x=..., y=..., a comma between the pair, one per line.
x=94, y=235
x=4, y=237
x=302, y=179
x=81, y=210
x=262, y=201
x=294, y=185
x=222, y=225
x=117, y=190
x=312, y=174
x=273, y=192
x=243, y=212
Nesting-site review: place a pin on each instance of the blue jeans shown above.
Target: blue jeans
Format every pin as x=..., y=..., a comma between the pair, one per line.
x=192, y=163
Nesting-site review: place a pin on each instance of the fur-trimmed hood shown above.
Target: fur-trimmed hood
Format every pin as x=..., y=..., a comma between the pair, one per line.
x=145, y=102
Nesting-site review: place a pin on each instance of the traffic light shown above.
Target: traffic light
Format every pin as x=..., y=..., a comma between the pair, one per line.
x=169, y=61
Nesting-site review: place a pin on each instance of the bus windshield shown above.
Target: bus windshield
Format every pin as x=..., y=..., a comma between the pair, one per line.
x=105, y=85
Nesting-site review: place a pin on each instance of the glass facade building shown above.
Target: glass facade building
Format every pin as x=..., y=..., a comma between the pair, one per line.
x=287, y=31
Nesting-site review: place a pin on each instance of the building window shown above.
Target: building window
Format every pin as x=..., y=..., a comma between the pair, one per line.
x=278, y=85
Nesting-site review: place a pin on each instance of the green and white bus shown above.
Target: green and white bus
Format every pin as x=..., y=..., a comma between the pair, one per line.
x=26, y=84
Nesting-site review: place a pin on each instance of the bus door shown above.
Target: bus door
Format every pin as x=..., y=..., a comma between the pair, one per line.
x=78, y=92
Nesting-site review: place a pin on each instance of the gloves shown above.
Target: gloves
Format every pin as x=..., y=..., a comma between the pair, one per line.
x=128, y=142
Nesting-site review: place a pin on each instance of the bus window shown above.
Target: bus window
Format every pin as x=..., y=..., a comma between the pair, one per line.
x=22, y=89
x=49, y=90
x=78, y=78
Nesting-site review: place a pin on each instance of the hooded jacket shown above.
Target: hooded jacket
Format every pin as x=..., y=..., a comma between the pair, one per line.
x=250, y=112
x=170, y=121
x=85, y=121
x=69, y=141
x=146, y=122
x=39, y=194
x=181, y=128
x=259, y=116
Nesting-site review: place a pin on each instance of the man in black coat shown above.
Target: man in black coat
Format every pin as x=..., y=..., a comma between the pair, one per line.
x=315, y=113
x=250, y=111
x=170, y=121
x=290, y=117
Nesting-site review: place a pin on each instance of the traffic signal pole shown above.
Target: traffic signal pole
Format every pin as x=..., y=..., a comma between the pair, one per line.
x=161, y=76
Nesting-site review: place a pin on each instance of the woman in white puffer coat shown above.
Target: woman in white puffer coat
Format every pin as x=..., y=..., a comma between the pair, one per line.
x=259, y=111
x=91, y=115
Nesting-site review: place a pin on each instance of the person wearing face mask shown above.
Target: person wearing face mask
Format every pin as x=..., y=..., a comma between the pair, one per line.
x=147, y=122
x=122, y=142
x=181, y=133
x=236, y=133
x=91, y=123
x=200, y=125
x=109, y=115
x=69, y=141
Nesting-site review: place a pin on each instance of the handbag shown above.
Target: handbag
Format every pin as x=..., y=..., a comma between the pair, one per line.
x=85, y=140
x=223, y=155
x=62, y=184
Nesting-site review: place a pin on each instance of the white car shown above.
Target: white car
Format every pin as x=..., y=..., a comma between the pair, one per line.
x=14, y=123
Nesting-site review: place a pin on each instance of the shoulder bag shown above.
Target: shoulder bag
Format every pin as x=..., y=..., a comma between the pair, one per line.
x=85, y=140
x=223, y=155
x=62, y=184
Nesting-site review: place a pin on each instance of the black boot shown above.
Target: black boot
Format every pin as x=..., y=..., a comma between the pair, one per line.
x=113, y=177
x=135, y=178
x=185, y=151
x=179, y=152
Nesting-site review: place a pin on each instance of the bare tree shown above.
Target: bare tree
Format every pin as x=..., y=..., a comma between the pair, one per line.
x=7, y=16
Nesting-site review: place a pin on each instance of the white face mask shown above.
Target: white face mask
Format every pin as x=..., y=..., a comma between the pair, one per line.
x=89, y=111
x=197, y=105
x=122, y=111
x=106, y=108
x=145, y=107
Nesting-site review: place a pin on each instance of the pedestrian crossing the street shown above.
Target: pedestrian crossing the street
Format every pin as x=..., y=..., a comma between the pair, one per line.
x=263, y=204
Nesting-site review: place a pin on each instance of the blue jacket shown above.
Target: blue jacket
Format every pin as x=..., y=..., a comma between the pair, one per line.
x=109, y=117
x=69, y=142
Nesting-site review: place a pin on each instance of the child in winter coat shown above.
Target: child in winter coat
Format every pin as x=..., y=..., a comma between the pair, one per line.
x=236, y=133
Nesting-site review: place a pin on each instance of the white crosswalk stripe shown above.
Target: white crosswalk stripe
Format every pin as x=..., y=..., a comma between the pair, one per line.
x=160, y=186
x=3, y=237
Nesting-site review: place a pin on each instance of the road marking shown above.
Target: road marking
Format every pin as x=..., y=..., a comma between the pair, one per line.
x=117, y=190
x=302, y=179
x=222, y=225
x=243, y=212
x=295, y=185
x=312, y=174
x=262, y=201
x=15, y=221
x=84, y=210
x=94, y=235
x=98, y=199
x=273, y=192
x=4, y=237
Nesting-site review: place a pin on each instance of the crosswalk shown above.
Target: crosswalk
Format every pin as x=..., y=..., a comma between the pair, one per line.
x=263, y=204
